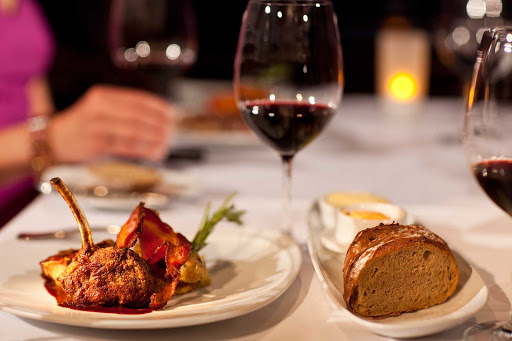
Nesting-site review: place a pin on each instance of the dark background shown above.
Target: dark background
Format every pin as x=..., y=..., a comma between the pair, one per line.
x=358, y=22
x=80, y=28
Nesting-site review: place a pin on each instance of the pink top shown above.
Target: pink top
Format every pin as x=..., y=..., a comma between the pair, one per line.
x=26, y=51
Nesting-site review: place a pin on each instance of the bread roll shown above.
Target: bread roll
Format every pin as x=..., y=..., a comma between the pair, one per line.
x=391, y=269
x=125, y=176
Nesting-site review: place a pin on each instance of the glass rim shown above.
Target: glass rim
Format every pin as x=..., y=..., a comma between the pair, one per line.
x=490, y=37
x=500, y=29
x=293, y=2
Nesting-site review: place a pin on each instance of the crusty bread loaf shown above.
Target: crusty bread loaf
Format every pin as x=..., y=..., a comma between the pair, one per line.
x=391, y=269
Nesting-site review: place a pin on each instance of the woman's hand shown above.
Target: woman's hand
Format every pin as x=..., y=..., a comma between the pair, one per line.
x=113, y=121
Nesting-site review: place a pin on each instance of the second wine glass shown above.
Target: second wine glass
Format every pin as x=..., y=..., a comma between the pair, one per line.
x=288, y=76
x=487, y=140
x=155, y=39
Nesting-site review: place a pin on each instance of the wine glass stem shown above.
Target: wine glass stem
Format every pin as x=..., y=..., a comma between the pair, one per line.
x=286, y=193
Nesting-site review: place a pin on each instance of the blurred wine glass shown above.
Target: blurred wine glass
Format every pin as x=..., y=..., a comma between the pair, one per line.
x=156, y=38
x=458, y=32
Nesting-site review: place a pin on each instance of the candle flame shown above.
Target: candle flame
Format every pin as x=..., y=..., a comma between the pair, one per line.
x=403, y=86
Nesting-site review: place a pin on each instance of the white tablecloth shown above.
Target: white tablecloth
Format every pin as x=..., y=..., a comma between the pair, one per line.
x=416, y=162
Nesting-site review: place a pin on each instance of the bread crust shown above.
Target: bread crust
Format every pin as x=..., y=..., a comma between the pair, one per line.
x=383, y=240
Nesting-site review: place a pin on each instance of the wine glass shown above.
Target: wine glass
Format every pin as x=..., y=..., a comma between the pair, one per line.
x=288, y=77
x=156, y=38
x=458, y=32
x=487, y=138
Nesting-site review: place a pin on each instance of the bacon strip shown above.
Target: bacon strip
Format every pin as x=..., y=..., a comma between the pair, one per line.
x=155, y=232
x=166, y=263
x=127, y=236
x=164, y=249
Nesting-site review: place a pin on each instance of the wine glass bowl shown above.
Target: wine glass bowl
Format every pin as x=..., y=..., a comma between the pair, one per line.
x=287, y=126
x=487, y=138
x=156, y=38
x=458, y=31
x=290, y=51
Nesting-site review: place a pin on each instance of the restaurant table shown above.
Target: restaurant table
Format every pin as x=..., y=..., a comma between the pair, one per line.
x=416, y=161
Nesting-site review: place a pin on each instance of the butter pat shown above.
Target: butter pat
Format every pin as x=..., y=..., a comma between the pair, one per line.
x=357, y=217
x=331, y=203
x=369, y=215
x=342, y=199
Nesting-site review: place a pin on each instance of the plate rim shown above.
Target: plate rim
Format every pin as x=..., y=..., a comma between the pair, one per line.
x=407, y=329
x=232, y=309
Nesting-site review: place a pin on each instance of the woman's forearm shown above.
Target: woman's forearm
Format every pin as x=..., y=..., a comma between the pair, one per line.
x=39, y=97
x=15, y=153
x=15, y=147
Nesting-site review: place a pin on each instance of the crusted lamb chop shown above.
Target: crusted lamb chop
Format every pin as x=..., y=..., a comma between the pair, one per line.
x=96, y=275
x=55, y=265
x=112, y=274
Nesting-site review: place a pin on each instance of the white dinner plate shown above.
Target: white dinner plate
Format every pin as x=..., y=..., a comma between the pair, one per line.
x=173, y=185
x=248, y=269
x=470, y=294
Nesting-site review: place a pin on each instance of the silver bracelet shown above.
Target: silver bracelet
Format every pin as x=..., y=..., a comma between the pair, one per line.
x=41, y=151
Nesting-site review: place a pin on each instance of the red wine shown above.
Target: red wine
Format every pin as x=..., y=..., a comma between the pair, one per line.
x=495, y=177
x=286, y=126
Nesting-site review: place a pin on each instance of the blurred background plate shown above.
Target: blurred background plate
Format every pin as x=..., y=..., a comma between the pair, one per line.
x=217, y=139
x=94, y=191
x=209, y=115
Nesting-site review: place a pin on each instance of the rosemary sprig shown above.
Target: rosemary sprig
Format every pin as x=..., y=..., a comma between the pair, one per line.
x=207, y=223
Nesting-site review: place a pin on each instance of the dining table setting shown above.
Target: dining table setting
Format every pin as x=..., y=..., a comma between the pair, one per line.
x=415, y=162
x=285, y=208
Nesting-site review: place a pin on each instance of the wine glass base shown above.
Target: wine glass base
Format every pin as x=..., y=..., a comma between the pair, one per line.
x=495, y=331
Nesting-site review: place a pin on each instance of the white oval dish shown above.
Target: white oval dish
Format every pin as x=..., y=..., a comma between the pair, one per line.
x=469, y=297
